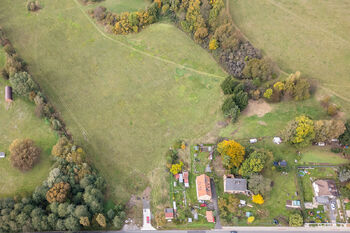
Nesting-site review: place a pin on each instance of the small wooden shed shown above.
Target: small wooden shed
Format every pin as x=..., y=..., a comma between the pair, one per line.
x=8, y=94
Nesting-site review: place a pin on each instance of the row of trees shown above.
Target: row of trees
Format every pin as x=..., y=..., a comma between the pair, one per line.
x=70, y=199
x=294, y=87
x=302, y=131
x=24, y=86
x=127, y=22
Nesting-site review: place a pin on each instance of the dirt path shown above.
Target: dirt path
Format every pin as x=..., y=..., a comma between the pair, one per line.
x=140, y=51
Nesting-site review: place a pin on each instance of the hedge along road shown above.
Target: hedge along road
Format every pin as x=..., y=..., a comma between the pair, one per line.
x=124, y=105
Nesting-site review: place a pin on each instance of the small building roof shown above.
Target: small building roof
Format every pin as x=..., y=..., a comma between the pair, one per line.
x=210, y=216
x=207, y=168
x=282, y=163
x=8, y=93
x=2, y=154
x=235, y=184
x=253, y=140
x=169, y=213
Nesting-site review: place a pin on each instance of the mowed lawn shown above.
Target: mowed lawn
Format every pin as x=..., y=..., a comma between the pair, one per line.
x=308, y=35
x=124, y=98
x=19, y=121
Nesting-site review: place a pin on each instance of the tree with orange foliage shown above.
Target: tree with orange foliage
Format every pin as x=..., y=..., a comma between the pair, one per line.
x=258, y=199
x=232, y=153
x=58, y=193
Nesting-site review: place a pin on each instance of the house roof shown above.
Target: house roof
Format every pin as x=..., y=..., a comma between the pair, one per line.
x=325, y=188
x=203, y=185
x=235, y=184
x=210, y=216
x=169, y=213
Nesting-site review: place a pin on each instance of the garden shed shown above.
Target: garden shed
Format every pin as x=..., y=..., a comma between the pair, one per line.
x=2, y=155
x=8, y=94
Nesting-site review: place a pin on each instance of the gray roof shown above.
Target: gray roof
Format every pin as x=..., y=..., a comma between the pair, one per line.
x=235, y=184
x=322, y=200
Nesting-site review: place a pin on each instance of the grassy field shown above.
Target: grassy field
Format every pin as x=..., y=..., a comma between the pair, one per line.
x=119, y=6
x=124, y=98
x=20, y=122
x=311, y=36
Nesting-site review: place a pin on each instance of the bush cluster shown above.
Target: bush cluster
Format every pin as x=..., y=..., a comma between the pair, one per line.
x=237, y=99
x=33, y=5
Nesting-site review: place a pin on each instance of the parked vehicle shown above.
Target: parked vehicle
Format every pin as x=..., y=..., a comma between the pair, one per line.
x=203, y=205
x=147, y=219
x=333, y=207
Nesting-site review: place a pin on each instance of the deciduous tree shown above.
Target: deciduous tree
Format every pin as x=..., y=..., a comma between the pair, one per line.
x=24, y=154
x=232, y=149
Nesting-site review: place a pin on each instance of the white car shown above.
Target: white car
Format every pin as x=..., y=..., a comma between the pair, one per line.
x=333, y=206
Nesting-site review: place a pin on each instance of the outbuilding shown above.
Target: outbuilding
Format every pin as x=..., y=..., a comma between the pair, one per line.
x=2, y=155
x=8, y=94
x=253, y=140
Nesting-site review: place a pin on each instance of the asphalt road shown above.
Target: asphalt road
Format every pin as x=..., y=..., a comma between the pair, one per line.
x=249, y=229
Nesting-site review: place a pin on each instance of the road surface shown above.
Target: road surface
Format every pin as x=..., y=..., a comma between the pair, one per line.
x=252, y=230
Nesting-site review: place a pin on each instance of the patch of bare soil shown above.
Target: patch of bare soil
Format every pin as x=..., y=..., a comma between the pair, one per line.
x=257, y=107
x=218, y=167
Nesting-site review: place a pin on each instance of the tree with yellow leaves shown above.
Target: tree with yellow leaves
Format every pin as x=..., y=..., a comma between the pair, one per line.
x=213, y=44
x=176, y=168
x=300, y=132
x=232, y=153
x=258, y=199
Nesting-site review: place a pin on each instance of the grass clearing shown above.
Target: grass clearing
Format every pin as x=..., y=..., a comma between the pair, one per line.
x=20, y=122
x=311, y=36
x=118, y=6
x=121, y=104
x=315, y=154
x=272, y=123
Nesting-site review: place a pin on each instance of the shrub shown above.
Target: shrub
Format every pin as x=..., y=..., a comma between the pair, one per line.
x=22, y=83
x=268, y=93
x=258, y=68
x=332, y=110
x=258, y=199
x=24, y=154
x=295, y=220
x=336, y=150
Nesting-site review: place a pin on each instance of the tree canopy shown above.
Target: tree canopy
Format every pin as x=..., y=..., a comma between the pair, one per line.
x=233, y=150
x=24, y=154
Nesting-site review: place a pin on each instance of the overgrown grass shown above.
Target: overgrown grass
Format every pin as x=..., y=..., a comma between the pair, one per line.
x=18, y=122
x=290, y=33
x=120, y=98
x=119, y=6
